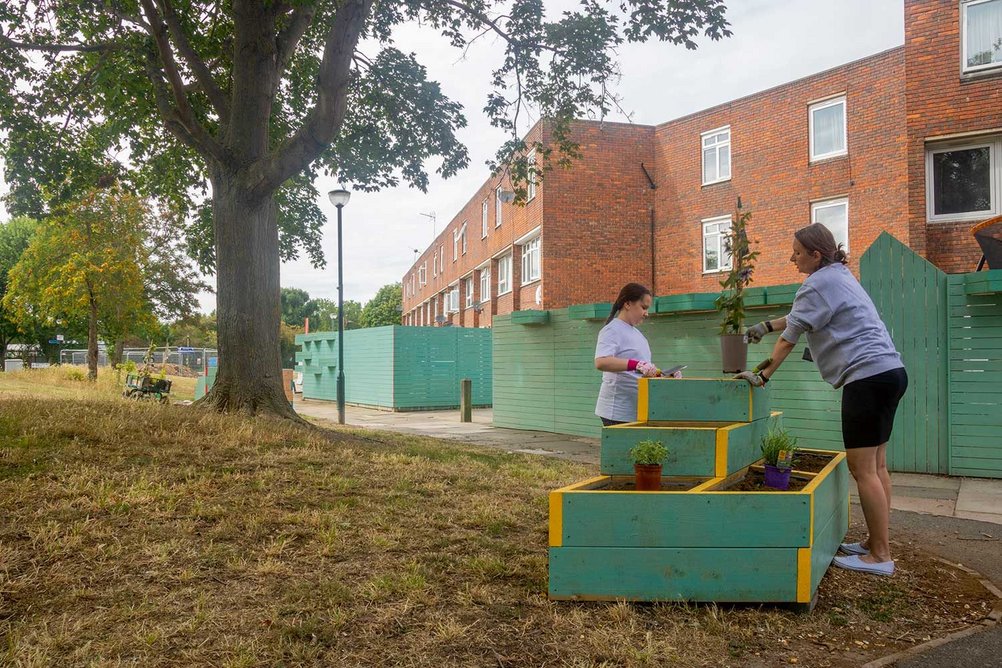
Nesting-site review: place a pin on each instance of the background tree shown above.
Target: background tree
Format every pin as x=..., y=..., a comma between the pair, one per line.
x=259, y=97
x=384, y=308
x=85, y=263
x=197, y=330
x=325, y=312
x=14, y=238
x=296, y=306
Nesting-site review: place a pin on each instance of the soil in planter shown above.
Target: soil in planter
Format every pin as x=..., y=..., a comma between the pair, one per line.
x=754, y=481
x=628, y=484
x=810, y=461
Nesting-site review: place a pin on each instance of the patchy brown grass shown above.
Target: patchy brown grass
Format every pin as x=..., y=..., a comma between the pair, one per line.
x=136, y=534
x=70, y=382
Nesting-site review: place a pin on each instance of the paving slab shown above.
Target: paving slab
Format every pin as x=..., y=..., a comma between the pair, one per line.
x=980, y=496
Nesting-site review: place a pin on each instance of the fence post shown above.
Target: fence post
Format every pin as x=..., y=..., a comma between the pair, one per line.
x=466, y=400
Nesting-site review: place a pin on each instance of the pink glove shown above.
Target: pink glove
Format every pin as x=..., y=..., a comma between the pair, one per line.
x=647, y=370
x=677, y=374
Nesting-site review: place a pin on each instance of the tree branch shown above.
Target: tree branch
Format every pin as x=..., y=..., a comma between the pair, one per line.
x=290, y=37
x=7, y=42
x=202, y=73
x=195, y=134
x=324, y=120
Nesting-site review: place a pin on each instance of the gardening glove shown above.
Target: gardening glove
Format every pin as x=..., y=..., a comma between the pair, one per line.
x=755, y=333
x=676, y=375
x=752, y=378
x=647, y=370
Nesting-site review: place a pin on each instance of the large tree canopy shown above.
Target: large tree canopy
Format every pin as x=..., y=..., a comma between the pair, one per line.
x=229, y=110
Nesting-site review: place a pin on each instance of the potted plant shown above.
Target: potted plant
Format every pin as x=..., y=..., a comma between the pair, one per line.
x=731, y=302
x=648, y=458
x=778, y=447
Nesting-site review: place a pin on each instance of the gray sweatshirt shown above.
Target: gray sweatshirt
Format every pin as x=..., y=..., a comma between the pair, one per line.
x=848, y=340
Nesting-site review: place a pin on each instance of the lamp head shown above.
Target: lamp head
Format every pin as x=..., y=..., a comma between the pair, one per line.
x=506, y=196
x=339, y=197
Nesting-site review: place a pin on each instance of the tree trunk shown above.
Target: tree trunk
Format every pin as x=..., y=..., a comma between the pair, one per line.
x=117, y=352
x=248, y=307
x=92, y=342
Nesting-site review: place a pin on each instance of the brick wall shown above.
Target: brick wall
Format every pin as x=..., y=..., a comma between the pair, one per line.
x=772, y=173
x=942, y=102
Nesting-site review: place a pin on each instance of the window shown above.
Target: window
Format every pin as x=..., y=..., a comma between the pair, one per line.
x=833, y=214
x=497, y=207
x=716, y=155
x=453, y=299
x=423, y=274
x=530, y=161
x=455, y=245
x=963, y=181
x=827, y=121
x=462, y=237
x=982, y=42
x=530, y=261
x=715, y=230
x=485, y=284
x=468, y=289
x=504, y=275
x=434, y=264
x=483, y=219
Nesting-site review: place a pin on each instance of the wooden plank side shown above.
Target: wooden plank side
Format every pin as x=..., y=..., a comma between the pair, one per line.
x=681, y=519
x=674, y=574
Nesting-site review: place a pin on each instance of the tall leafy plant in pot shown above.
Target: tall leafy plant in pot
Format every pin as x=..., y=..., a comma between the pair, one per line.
x=731, y=302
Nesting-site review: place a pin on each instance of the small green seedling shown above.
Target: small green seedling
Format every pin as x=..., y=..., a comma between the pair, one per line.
x=649, y=452
x=778, y=448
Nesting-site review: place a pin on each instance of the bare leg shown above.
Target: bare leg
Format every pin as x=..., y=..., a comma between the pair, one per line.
x=873, y=497
x=885, y=480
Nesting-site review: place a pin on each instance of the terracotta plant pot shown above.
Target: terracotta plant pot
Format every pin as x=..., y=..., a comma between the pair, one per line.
x=734, y=353
x=648, y=477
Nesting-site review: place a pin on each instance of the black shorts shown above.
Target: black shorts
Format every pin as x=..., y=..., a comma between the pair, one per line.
x=606, y=422
x=868, y=408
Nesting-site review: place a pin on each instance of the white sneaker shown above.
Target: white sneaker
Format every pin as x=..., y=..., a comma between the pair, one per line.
x=854, y=563
x=853, y=548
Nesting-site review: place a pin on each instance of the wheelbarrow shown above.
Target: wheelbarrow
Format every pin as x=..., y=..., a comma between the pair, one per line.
x=139, y=386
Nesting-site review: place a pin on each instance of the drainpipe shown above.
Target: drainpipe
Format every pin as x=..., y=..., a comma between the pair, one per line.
x=653, y=186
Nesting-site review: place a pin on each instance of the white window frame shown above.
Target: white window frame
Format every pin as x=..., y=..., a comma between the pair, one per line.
x=468, y=287
x=485, y=284
x=994, y=145
x=964, y=67
x=832, y=203
x=530, y=184
x=462, y=237
x=423, y=274
x=716, y=220
x=825, y=104
x=483, y=218
x=453, y=298
x=497, y=207
x=455, y=245
x=532, y=249
x=716, y=146
x=504, y=274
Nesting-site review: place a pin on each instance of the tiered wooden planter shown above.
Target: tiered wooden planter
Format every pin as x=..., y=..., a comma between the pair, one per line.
x=696, y=539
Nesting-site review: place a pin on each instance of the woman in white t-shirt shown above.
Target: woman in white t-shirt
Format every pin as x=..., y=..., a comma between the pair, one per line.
x=623, y=355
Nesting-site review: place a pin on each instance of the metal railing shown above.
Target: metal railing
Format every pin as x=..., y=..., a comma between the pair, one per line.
x=193, y=358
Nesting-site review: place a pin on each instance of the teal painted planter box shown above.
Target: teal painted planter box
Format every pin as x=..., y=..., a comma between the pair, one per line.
x=693, y=301
x=701, y=399
x=983, y=282
x=703, y=544
x=399, y=368
x=710, y=449
x=530, y=317
x=599, y=311
x=781, y=294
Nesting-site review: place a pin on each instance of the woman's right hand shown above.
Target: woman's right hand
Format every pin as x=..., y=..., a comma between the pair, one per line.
x=647, y=370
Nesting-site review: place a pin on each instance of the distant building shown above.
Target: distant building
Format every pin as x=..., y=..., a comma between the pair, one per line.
x=908, y=140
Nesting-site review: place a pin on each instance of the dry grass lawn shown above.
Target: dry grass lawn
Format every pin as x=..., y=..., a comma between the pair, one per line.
x=138, y=534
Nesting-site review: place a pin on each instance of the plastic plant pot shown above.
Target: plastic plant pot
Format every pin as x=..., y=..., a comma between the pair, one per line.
x=648, y=477
x=776, y=477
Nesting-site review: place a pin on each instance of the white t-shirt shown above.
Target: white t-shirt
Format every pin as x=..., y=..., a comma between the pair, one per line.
x=617, y=398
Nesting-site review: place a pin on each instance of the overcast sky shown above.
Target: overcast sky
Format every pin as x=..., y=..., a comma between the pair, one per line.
x=774, y=41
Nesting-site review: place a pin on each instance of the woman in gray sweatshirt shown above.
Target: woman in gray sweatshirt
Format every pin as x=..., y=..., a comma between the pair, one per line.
x=853, y=351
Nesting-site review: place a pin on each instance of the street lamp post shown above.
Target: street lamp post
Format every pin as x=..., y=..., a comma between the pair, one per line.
x=339, y=198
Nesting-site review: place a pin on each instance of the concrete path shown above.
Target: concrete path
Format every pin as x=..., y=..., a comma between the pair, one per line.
x=965, y=498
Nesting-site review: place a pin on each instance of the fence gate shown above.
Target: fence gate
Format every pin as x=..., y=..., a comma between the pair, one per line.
x=911, y=296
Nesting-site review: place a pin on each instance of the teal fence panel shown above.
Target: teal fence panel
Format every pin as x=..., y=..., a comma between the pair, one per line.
x=910, y=295
x=475, y=359
x=975, y=381
x=368, y=361
x=545, y=376
x=429, y=362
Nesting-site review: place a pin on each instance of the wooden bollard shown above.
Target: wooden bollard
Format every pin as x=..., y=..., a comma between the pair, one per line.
x=466, y=400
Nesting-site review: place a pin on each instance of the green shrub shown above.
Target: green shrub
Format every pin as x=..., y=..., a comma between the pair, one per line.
x=775, y=442
x=649, y=452
x=75, y=374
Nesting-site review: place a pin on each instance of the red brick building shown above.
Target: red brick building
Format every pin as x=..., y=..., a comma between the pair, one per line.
x=908, y=140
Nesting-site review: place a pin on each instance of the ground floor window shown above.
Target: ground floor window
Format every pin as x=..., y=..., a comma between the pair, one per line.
x=833, y=214
x=715, y=256
x=530, y=261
